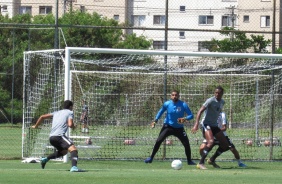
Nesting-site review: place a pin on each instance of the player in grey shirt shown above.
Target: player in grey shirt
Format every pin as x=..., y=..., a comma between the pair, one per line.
x=211, y=108
x=61, y=121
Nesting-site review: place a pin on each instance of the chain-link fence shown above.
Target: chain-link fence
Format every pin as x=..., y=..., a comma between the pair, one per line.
x=197, y=26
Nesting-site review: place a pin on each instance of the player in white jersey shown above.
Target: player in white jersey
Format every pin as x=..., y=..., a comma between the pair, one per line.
x=62, y=119
x=222, y=124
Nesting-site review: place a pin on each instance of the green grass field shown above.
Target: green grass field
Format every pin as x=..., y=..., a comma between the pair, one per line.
x=137, y=172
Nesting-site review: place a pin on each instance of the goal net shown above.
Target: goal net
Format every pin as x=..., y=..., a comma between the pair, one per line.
x=120, y=91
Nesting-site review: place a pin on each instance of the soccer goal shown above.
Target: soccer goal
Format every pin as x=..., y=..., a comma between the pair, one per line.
x=123, y=90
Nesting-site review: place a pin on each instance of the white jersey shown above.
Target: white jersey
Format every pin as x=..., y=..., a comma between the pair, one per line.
x=222, y=121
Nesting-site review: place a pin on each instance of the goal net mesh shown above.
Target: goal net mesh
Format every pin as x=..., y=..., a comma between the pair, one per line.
x=124, y=91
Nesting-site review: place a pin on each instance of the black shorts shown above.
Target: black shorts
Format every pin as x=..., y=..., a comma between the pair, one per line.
x=215, y=130
x=216, y=142
x=61, y=142
x=168, y=130
x=84, y=121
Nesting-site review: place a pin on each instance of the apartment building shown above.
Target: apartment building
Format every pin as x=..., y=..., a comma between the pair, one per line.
x=106, y=8
x=7, y=8
x=190, y=17
x=190, y=23
x=257, y=16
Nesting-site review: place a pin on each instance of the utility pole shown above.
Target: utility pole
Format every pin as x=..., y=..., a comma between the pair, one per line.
x=273, y=26
x=165, y=62
x=232, y=15
x=56, y=42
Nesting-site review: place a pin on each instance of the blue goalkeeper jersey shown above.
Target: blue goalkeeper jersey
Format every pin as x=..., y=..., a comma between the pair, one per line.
x=175, y=111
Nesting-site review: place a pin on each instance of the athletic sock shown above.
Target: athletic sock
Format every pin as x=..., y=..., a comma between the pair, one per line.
x=205, y=154
x=74, y=158
x=215, y=155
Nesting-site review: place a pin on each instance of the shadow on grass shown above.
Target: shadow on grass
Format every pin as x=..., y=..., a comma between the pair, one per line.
x=240, y=168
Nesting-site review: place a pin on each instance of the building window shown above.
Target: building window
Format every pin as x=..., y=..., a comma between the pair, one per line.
x=182, y=8
x=265, y=21
x=159, y=19
x=82, y=8
x=116, y=17
x=206, y=20
x=227, y=21
x=246, y=18
x=182, y=34
x=45, y=9
x=158, y=45
x=138, y=20
x=25, y=9
x=4, y=8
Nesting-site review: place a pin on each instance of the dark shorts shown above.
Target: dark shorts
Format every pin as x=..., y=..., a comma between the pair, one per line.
x=61, y=142
x=180, y=133
x=84, y=121
x=215, y=130
x=216, y=142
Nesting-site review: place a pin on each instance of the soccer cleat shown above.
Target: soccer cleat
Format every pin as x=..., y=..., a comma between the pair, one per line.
x=190, y=162
x=76, y=169
x=43, y=162
x=148, y=160
x=213, y=164
x=201, y=166
x=242, y=165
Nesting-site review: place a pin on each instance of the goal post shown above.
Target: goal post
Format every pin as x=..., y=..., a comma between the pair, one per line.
x=124, y=88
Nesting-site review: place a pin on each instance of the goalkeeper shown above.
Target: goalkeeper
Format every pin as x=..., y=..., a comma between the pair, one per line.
x=173, y=125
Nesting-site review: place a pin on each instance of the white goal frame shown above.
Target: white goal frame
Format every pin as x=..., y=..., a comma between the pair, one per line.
x=67, y=53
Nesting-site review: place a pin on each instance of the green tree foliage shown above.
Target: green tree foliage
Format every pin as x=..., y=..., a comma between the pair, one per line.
x=131, y=41
x=97, y=35
x=237, y=42
x=79, y=29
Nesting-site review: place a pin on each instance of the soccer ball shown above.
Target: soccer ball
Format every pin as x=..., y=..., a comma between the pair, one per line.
x=249, y=143
x=266, y=143
x=176, y=164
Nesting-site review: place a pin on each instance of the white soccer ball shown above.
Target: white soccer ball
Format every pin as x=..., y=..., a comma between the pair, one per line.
x=176, y=164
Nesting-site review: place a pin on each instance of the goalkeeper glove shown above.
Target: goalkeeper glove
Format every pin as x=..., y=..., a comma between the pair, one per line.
x=153, y=124
x=181, y=120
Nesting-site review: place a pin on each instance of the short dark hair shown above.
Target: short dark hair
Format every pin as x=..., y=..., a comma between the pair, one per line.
x=175, y=91
x=220, y=88
x=67, y=104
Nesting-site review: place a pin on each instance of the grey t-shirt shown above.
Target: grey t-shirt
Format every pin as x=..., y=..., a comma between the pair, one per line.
x=60, y=122
x=213, y=109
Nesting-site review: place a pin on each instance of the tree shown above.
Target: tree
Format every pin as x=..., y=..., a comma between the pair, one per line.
x=80, y=29
x=131, y=41
x=237, y=42
x=98, y=35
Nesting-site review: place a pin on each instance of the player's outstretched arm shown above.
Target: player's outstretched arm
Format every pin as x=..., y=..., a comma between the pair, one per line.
x=196, y=125
x=41, y=118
